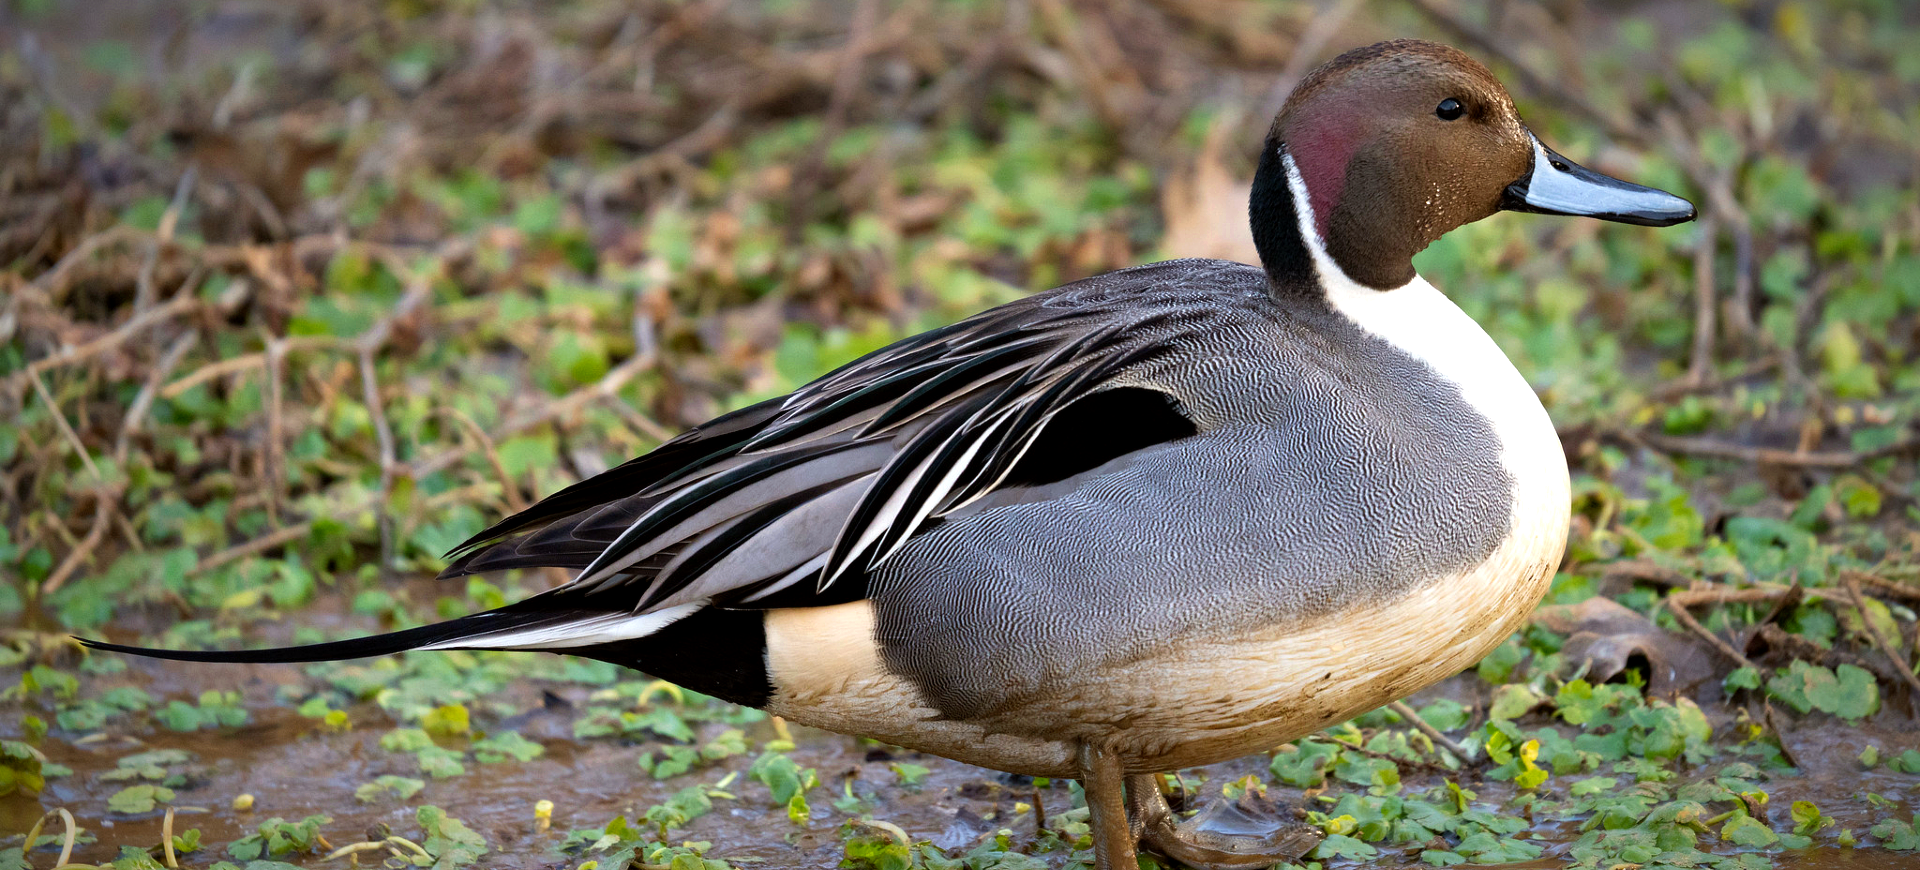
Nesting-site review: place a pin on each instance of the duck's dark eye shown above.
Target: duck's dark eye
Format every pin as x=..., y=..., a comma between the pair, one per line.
x=1450, y=109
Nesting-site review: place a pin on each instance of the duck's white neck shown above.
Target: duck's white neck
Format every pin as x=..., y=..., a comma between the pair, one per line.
x=1426, y=325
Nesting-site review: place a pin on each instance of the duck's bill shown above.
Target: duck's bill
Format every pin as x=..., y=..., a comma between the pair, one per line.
x=1557, y=185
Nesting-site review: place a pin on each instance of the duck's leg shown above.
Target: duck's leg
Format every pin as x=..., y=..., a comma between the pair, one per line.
x=1105, y=782
x=1227, y=835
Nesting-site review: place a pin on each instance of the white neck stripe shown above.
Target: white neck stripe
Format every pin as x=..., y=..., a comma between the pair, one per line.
x=1332, y=278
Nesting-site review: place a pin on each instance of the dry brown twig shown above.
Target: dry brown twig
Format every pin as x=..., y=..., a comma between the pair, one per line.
x=103, y=511
x=510, y=490
x=1852, y=582
x=53, y=281
x=1686, y=385
x=1779, y=734
x=370, y=342
x=1649, y=571
x=383, y=435
x=1717, y=184
x=608, y=385
x=66, y=429
x=142, y=404
x=1788, y=646
x=105, y=496
x=1678, y=602
x=847, y=73
x=162, y=236
x=1897, y=590
x=1770, y=455
x=247, y=361
x=1412, y=716
x=181, y=303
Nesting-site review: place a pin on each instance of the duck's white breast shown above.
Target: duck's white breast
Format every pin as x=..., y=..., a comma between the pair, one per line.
x=1426, y=325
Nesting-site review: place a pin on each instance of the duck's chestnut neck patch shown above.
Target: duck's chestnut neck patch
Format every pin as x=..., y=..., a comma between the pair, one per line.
x=1322, y=148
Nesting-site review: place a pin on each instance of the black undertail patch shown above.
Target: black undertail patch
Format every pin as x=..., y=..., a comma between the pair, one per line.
x=717, y=652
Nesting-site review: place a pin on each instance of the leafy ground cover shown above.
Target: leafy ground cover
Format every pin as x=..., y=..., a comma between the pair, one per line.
x=298, y=296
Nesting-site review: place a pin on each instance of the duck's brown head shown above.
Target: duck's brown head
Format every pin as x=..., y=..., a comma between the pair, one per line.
x=1386, y=148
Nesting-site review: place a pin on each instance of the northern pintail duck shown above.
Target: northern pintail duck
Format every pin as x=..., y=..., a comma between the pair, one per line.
x=1153, y=519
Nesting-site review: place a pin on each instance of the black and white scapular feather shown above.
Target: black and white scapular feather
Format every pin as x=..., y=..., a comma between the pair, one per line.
x=795, y=501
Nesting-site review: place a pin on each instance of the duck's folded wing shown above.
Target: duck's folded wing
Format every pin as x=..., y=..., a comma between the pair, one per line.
x=793, y=502
x=774, y=504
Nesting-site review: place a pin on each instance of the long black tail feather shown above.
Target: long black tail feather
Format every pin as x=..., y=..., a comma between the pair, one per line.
x=474, y=626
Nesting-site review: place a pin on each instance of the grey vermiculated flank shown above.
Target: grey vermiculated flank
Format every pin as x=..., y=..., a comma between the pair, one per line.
x=1331, y=470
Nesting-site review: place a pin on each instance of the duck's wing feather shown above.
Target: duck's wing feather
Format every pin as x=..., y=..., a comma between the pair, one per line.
x=781, y=500
x=793, y=502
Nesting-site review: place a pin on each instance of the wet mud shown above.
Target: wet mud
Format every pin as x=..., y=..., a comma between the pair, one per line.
x=294, y=767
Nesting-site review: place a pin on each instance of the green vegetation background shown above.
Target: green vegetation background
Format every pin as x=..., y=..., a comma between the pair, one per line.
x=298, y=296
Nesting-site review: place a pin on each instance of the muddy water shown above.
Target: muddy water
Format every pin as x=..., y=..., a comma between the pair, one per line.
x=294, y=768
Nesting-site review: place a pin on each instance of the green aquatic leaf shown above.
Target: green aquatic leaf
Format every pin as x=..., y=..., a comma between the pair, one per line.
x=785, y=779
x=441, y=763
x=277, y=836
x=449, y=720
x=1487, y=848
x=139, y=798
x=1745, y=830
x=1303, y=764
x=1851, y=693
x=1446, y=714
x=1364, y=771
x=405, y=740
x=1341, y=846
x=1898, y=835
x=20, y=768
x=726, y=744
x=669, y=761
x=686, y=805
x=1807, y=818
x=876, y=851
x=909, y=774
x=505, y=745
x=401, y=787
x=449, y=840
x=1593, y=785
x=1513, y=700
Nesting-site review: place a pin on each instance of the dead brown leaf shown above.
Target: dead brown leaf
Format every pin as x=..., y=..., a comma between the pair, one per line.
x=1205, y=205
x=1606, y=637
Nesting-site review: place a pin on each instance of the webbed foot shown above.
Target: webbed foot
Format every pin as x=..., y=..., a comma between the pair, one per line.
x=1226, y=835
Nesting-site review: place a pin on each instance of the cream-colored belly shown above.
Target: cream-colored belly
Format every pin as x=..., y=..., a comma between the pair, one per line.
x=826, y=672
x=1212, y=699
